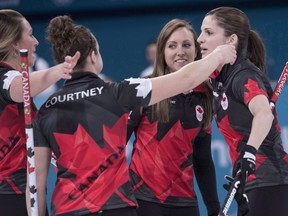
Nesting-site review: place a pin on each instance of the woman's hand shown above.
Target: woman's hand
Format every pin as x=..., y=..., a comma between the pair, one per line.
x=68, y=65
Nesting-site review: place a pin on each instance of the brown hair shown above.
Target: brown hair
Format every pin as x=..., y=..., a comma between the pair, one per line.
x=66, y=38
x=11, y=30
x=234, y=21
x=160, y=110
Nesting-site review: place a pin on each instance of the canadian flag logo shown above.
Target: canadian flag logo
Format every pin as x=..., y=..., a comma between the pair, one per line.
x=199, y=113
x=224, y=102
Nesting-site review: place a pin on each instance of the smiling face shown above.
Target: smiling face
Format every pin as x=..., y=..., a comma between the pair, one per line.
x=179, y=49
x=28, y=41
x=212, y=35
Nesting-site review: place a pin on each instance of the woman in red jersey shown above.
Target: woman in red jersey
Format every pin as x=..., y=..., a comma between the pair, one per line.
x=241, y=100
x=173, y=137
x=16, y=34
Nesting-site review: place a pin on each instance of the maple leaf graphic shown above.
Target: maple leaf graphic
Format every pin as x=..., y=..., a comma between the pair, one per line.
x=33, y=189
x=253, y=90
x=30, y=154
x=10, y=75
x=12, y=133
x=143, y=87
x=10, y=122
x=163, y=169
x=200, y=110
x=93, y=168
x=231, y=136
x=260, y=159
x=33, y=201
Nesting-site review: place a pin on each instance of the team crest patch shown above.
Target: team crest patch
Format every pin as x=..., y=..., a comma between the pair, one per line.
x=199, y=113
x=224, y=102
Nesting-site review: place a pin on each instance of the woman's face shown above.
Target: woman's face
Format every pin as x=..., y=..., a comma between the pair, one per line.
x=28, y=41
x=179, y=49
x=211, y=36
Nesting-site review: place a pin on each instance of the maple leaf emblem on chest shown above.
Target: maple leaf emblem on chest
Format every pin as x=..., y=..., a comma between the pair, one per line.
x=167, y=169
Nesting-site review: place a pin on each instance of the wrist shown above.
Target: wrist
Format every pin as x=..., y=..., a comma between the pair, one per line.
x=249, y=148
x=249, y=154
x=53, y=74
x=219, y=56
x=57, y=71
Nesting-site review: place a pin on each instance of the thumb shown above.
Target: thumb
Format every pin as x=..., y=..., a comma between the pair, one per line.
x=75, y=58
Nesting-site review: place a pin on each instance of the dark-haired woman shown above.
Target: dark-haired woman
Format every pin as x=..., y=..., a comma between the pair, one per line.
x=243, y=115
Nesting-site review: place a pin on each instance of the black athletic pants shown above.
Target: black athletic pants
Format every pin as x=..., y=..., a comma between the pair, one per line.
x=268, y=201
x=156, y=209
x=129, y=211
x=13, y=204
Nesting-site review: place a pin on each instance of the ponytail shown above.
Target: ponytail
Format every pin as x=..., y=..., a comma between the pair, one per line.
x=256, y=50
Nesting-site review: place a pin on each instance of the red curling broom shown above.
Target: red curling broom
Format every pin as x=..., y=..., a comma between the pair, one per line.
x=29, y=132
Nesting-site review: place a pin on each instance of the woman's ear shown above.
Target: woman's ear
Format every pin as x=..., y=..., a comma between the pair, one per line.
x=233, y=39
x=93, y=57
x=15, y=50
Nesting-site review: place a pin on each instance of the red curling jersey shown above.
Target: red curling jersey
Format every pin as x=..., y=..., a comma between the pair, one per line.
x=233, y=90
x=85, y=124
x=13, y=154
x=161, y=165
